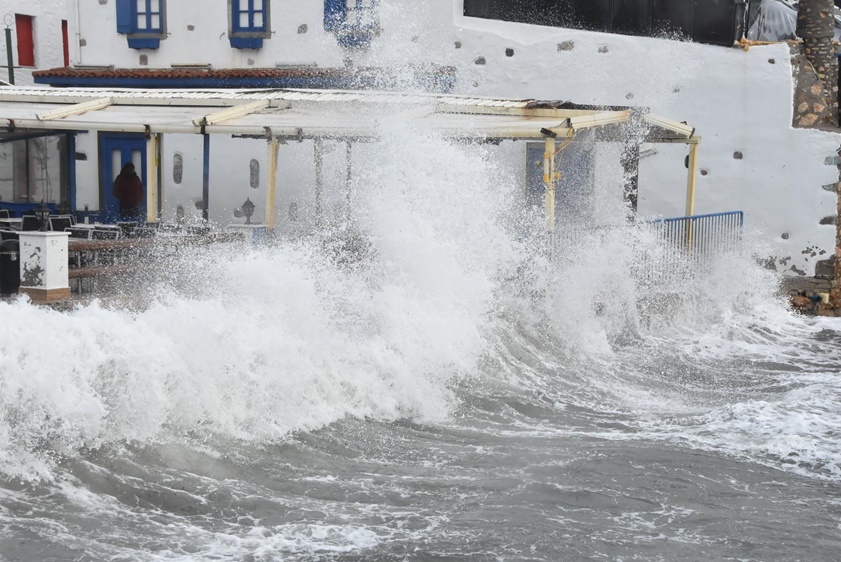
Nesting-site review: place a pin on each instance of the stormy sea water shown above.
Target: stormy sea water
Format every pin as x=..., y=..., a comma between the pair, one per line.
x=428, y=381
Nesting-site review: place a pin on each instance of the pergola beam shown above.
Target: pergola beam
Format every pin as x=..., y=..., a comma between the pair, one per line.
x=599, y=119
x=681, y=129
x=76, y=109
x=525, y=131
x=231, y=113
x=512, y=111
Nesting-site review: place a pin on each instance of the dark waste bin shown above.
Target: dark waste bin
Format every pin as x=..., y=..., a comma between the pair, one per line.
x=9, y=267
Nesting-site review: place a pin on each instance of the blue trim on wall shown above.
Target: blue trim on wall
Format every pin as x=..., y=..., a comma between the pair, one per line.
x=17, y=209
x=355, y=40
x=38, y=135
x=144, y=43
x=71, y=171
x=246, y=42
x=445, y=82
x=205, y=182
x=128, y=14
x=147, y=15
x=125, y=143
x=335, y=14
x=125, y=19
x=237, y=9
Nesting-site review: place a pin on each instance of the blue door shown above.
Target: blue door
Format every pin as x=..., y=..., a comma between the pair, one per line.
x=117, y=150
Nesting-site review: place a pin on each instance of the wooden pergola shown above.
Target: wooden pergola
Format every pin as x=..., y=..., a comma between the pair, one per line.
x=281, y=114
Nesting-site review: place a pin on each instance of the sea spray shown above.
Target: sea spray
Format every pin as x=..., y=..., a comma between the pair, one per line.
x=260, y=343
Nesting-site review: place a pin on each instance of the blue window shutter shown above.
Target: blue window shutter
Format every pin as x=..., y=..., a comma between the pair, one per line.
x=125, y=17
x=335, y=13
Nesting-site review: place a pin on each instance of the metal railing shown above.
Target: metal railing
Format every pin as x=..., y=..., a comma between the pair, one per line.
x=668, y=251
x=703, y=235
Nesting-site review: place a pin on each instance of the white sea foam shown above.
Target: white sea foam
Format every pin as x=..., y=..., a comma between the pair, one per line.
x=438, y=287
x=257, y=344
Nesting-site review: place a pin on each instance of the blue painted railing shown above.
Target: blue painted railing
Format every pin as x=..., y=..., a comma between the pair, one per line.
x=710, y=233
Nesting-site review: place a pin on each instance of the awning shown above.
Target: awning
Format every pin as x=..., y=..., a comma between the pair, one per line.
x=300, y=113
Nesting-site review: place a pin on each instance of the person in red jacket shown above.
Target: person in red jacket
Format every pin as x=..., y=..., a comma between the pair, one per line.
x=128, y=189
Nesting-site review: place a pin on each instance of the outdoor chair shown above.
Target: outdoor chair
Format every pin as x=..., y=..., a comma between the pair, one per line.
x=60, y=223
x=83, y=233
x=68, y=216
x=30, y=223
x=4, y=214
x=144, y=232
x=105, y=234
x=128, y=228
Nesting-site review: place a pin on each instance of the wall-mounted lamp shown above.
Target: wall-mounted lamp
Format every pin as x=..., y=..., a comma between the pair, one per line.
x=248, y=210
x=42, y=213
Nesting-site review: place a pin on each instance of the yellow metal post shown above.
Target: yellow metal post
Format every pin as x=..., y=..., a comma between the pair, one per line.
x=549, y=182
x=690, y=192
x=152, y=166
x=271, y=188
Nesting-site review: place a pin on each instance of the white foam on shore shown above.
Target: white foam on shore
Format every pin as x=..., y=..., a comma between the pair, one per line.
x=256, y=344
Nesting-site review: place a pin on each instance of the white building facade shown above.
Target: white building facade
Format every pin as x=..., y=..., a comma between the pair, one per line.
x=740, y=101
x=43, y=34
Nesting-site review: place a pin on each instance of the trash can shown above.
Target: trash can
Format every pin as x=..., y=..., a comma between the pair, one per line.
x=9, y=267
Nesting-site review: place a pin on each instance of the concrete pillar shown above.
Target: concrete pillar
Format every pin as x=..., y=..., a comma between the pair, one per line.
x=44, y=266
x=816, y=26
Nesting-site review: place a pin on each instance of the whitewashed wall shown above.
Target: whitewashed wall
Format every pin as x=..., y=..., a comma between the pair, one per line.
x=739, y=101
x=198, y=34
x=49, y=48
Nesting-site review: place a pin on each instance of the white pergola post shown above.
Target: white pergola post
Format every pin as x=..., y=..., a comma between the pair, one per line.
x=271, y=188
x=153, y=156
x=690, y=192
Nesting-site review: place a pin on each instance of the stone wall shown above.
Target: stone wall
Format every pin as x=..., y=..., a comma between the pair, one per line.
x=813, y=105
x=816, y=26
x=815, y=68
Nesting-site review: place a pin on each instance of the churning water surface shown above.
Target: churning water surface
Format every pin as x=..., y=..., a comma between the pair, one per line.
x=433, y=386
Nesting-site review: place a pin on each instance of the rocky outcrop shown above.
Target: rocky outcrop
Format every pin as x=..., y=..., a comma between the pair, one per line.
x=816, y=26
x=812, y=102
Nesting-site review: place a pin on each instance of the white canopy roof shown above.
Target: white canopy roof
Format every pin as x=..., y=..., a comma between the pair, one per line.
x=311, y=113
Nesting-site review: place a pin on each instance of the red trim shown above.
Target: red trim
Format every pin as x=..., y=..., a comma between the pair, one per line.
x=26, y=40
x=65, y=43
x=228, y=73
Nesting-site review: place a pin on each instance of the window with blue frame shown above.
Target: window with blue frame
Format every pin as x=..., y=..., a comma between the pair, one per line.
x=149, y=18
x=142, y=21
x=249, y=23
x=354, y=22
